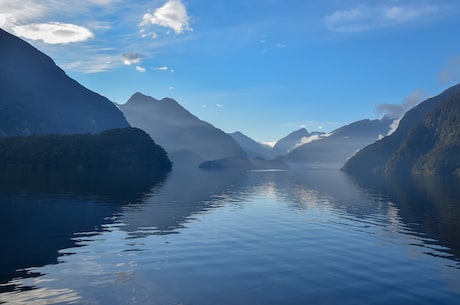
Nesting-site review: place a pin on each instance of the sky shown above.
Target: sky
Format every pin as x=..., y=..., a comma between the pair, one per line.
x=262, y=67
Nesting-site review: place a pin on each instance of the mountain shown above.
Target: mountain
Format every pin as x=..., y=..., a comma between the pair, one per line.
x=332, y=151
x=252, y=148
x=37, y=97
x=186, y=138
x=289, y=142
x=426, y=141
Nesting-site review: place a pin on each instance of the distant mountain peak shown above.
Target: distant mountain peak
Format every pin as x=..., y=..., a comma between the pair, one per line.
x=301, y=131
x=177, y=130
x=289, y=142
x=140, y=98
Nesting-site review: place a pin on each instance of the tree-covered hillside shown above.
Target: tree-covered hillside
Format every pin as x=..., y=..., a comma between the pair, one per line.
x=432, y=147
x=427, y=141
x=126, y=148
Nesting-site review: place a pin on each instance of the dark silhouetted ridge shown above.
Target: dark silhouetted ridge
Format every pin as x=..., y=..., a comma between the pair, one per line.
x=427, y=141
x=37, y=97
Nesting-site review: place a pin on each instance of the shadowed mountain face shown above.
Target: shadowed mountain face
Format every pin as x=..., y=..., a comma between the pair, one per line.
x=289, y=142
x=332, y=151
x=427, y=140
x=185, y=137
x=252, y=148
x=37, y=97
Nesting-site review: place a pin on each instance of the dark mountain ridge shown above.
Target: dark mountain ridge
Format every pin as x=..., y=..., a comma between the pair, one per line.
x=37, y=97
x=426, y=141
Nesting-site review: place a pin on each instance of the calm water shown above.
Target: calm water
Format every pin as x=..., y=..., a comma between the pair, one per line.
x=317, y=237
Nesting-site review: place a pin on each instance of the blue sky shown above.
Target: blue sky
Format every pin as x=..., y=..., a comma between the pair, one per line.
x=265, y=68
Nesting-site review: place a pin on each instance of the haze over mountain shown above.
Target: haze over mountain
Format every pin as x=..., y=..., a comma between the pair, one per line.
x=252, y=148
x=37, y=97
x=332, y=151
x=294, y=140
x=185, y=137
x=284, y=145
x=426, y=141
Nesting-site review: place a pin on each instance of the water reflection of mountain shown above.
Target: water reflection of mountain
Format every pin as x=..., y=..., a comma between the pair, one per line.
x=186, y=193
x=41, y=210
x=426, y=207
x=429, y=205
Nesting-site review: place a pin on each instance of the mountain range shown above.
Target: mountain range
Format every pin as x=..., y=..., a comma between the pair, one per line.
x=427, y=141
x=187, y=139
x=48, y=120
x=283, y=146
x=293, y=140
x=332, y=150
x=37, y=97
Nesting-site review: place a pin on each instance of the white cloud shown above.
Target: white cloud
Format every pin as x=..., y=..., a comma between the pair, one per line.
x=131, y=58
x=53, y=33
x=14, y=13
x=2, y=19
x=219, y=106
x=269, y=143
x=396, y=111
x=394, y=126
x=140, y=69
x=164, y=68
x=172, y=15
x=27, y=12
x=305, y=140
x=94, y=64
x=365, y=18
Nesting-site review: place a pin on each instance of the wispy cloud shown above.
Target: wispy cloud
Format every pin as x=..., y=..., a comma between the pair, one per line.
x=451, y=72
x=309, y=139
x=364, y=18
x=94, y=64
x=14, y=13
x=172, y=15
x=131, y=58
x=98, y=39
x=140, y=69
x=396, y=111
x=53, y=33
x=163, y=68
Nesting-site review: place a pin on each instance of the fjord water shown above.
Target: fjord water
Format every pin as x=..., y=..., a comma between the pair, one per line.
x=228, y=237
